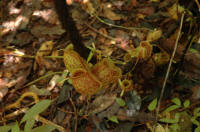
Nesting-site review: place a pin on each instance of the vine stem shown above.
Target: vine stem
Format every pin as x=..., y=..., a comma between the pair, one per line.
x=168, y=70
x=118, y=26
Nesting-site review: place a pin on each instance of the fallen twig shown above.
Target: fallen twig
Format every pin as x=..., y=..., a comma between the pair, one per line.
x=45, y=121
x=168, y=70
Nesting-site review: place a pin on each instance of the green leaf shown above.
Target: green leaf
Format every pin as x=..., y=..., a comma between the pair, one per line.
x=38, y=91
x=196, y=111
x=197, y=115
x=167, y=120
x=120, y=82
x=35, y=110
x=90, y=56
x=193, y=50
x=69, y=81
x=186, y=103
x=65, y=73
x=153, y=104
x=6, y=128
x=176, y=101
x=194, y=121
x=175, y=127
x=171, y=108
x=121, y=102
x=113, y=119
x=15, y=128
x=29, y=125
x=197, y=129
x=60, y=79
x=177, y=116
x=44, y=128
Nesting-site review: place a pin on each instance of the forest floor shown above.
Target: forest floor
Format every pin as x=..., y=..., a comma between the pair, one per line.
x=148, y=57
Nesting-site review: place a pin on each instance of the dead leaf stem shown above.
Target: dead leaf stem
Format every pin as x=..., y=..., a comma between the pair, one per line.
x=45, y=121
x=76, y=115
x=95, y=30
x=43, y=77
x=168, y=70
x=17, y=103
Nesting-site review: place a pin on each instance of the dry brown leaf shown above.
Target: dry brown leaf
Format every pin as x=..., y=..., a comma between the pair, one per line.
x=168, y=46
x=88, y=7
x=118, y=4
x=140, y=16
x=122, y=39
x=24, y=38
x=45, y=49
x=47, y=15
x=148, y=10
x=134, y=3
x=3, y=88
x=110, y=111
x=191, y=63
x=109, y=13
x=40, y=30
x=148, y=69
x=196, y=92
x=102, y=102
x=3, y=92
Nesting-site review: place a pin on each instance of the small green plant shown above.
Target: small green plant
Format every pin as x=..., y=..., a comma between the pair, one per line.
x=29, y=119
x=178, y=118
x=196, y=114
x=113, y=119
x=121, y=102
x=152, y=105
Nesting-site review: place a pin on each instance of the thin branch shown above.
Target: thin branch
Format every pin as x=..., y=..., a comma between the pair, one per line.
x=76, y=115
x=42, y=77
x=118, y=26
x=95, y=30
x=37, y=118
x=45, y=121
x=168, y=70
x=13, y=114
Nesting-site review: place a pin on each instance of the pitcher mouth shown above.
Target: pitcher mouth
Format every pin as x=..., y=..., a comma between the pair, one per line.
x=78, y=73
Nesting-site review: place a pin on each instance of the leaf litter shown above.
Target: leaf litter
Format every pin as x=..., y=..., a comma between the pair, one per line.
x=32, y=43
